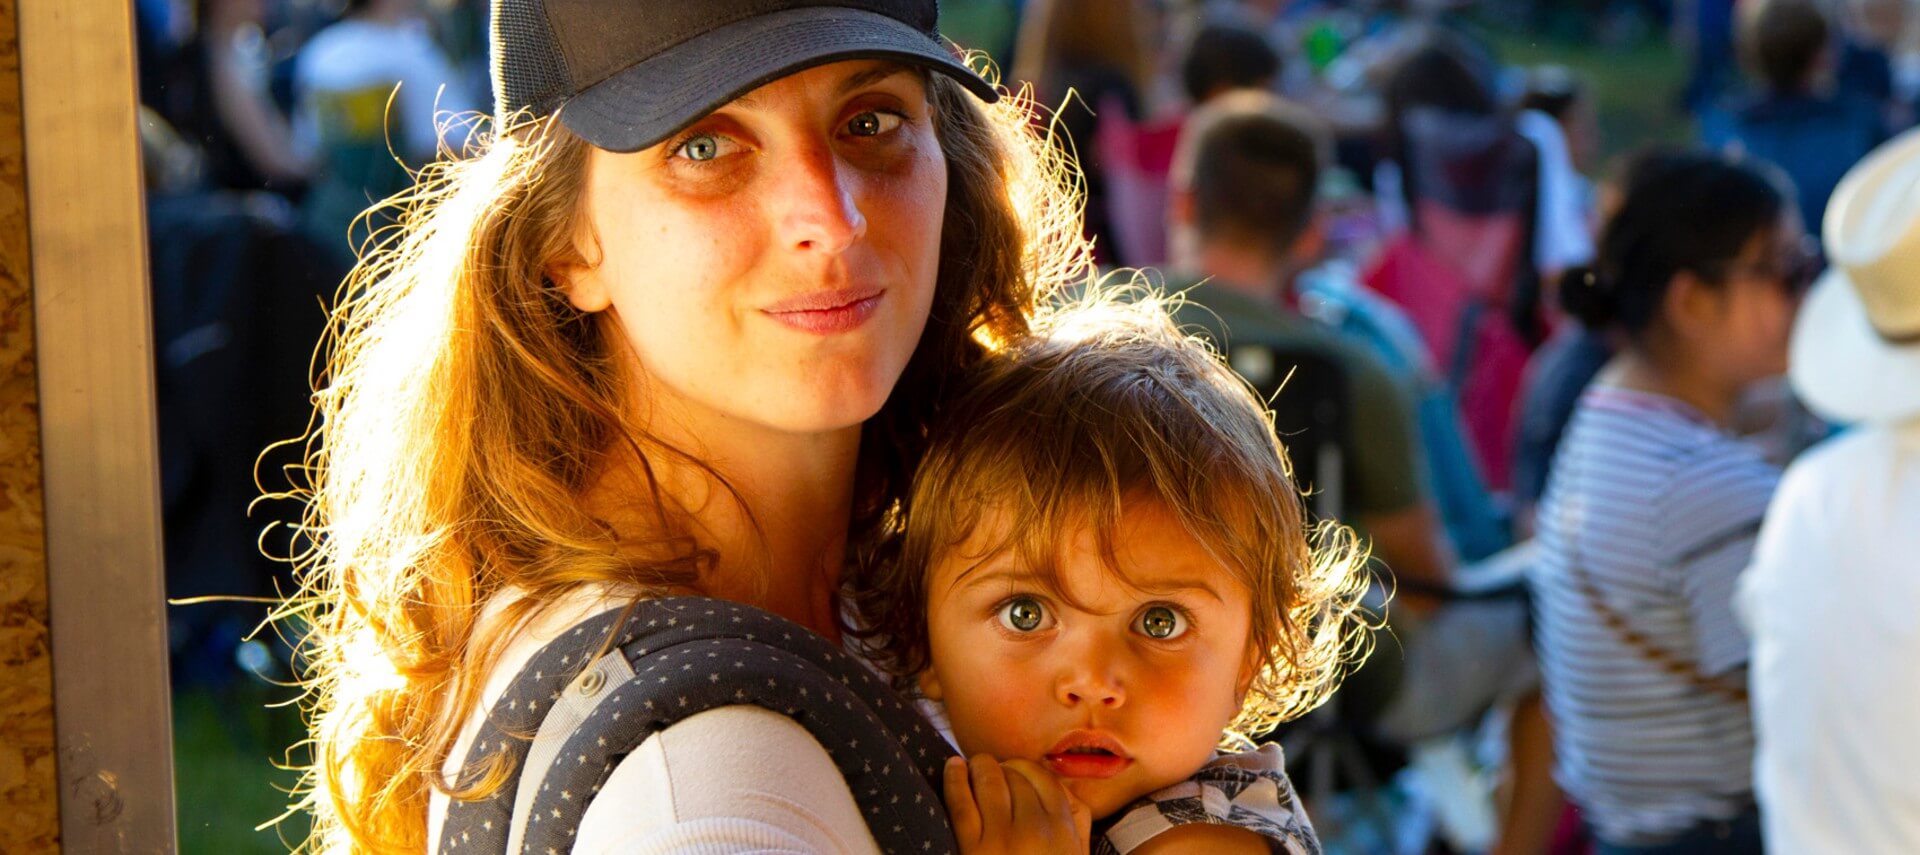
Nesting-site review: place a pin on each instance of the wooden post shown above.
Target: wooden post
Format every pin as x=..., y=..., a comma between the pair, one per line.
x=29, y=809
x=93, y=345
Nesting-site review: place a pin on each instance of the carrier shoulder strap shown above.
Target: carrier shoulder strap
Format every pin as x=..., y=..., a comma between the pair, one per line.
x=573, y=713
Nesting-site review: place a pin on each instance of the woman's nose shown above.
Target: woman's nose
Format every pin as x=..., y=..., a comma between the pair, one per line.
x=819, y=211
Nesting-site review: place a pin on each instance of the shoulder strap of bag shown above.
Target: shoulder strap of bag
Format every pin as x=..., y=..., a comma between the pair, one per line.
x=574, y=712
x=1644, y=647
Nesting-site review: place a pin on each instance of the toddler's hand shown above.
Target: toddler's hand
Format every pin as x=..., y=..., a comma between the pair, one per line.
x=1013, y=807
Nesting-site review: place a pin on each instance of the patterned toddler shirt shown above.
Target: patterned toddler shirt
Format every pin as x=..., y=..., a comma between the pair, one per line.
x=1247, y=789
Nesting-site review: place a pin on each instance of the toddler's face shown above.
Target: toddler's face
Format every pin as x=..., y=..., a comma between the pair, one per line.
x=1120, y=696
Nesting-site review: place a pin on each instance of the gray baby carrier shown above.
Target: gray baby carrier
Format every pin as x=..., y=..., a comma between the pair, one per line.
x=574, y=712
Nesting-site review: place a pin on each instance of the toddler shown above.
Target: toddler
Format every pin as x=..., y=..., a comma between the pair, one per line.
x=1106, y=581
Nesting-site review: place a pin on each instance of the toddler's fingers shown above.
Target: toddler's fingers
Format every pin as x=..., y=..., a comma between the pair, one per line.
x=1046, y=787
x=1028, y=809
x=960, y=804
x=990, y=791
x=1082, y=819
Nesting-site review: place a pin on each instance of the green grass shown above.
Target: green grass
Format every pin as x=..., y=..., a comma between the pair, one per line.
x=1635, y=88
x=225, y=743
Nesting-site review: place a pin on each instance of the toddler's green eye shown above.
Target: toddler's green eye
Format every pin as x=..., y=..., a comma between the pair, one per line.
x=1161, y=622
x=1023, y=614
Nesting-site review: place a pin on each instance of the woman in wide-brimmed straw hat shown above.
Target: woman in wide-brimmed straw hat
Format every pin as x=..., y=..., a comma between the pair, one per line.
x=1831, y=597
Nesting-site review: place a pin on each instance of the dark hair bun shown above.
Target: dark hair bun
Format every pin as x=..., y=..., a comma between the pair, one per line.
x=1590, y=298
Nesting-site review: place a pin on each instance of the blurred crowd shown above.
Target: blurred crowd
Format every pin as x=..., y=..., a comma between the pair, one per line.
x=1414, y=247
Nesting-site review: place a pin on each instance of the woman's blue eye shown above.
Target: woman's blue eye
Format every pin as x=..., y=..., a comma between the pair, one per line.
x=1161, y=623
x=872, y=124
x=1022, y=614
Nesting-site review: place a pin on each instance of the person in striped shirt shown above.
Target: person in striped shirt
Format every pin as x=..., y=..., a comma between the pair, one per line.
x=1653, y=504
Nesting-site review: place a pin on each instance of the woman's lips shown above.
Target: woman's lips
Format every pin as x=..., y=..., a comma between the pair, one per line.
x=827, y=312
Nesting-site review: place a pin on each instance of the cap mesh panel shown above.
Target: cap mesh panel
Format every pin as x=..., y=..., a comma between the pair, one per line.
x=528, y=70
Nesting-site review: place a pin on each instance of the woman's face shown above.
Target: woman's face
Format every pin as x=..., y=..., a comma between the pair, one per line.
x=773, y=264
x=1759, y=299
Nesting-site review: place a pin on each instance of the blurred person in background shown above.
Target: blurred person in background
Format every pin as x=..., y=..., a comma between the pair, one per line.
x=236, y=293
x=1558, y=93
x=1103, y=52
x=1705, y=33
x=1433, y=71
x=216, y=90
x=1245, y=218
x=1485, y=206
x=1223, y=57
x=1829, y=597
x=1870, y=33
x=1560, y=368
x=1652, y=507
x=1242, y=217
x=1796, y=119
x=1443, y=72
x=1136, y=156
x=370, y=92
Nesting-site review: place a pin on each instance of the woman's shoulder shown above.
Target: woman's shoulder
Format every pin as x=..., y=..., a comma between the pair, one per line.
x=534, y=630
x=727, y=774
x=1721, y=471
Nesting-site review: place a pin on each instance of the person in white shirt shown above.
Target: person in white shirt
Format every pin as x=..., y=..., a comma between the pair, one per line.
x=1829, y=598
x=374, y=97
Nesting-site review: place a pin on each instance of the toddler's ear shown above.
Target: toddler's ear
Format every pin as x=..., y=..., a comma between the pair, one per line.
x=930, y=685
x=1248, y=670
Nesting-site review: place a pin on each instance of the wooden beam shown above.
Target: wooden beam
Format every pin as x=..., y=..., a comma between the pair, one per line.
x=29, y=811
x=94, y=339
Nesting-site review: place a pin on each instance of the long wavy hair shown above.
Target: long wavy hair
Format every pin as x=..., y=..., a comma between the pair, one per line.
x=465, y=405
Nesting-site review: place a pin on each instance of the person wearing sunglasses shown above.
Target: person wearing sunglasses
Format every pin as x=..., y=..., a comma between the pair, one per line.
x=1653, y=504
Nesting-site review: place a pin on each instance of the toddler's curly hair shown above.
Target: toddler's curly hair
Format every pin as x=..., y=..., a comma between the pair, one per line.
x=1109, y=403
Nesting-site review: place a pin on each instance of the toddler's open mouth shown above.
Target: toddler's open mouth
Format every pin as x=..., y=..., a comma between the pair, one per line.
x=1086, y=754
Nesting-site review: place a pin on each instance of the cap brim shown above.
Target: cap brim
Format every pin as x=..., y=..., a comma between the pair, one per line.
x=1841, y=368
x=650, y=100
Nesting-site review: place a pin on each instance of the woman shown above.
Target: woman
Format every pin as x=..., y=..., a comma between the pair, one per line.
x=679, y=329
x=1652, y=507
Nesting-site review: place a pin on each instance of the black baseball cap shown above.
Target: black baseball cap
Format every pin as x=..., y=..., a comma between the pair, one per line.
x=629, y=73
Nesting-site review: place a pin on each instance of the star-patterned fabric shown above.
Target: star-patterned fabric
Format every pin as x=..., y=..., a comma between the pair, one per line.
x=1247, y=789
x=688, y=655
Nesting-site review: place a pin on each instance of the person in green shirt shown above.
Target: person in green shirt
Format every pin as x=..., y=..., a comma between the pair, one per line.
x=1234, y=254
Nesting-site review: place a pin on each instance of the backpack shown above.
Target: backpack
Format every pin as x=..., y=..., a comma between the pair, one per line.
x=574, y=712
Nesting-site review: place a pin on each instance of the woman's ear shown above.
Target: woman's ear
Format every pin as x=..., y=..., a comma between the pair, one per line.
x=1692, y=305
x=584, y=287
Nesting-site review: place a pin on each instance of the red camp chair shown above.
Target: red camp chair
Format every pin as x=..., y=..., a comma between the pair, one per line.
x=1138, y=157
x=1465, y=273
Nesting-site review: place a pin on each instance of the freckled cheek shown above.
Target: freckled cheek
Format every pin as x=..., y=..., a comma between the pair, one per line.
x=680, y=237
x=1193, y=690
x=905, y=209
x=997, y=700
